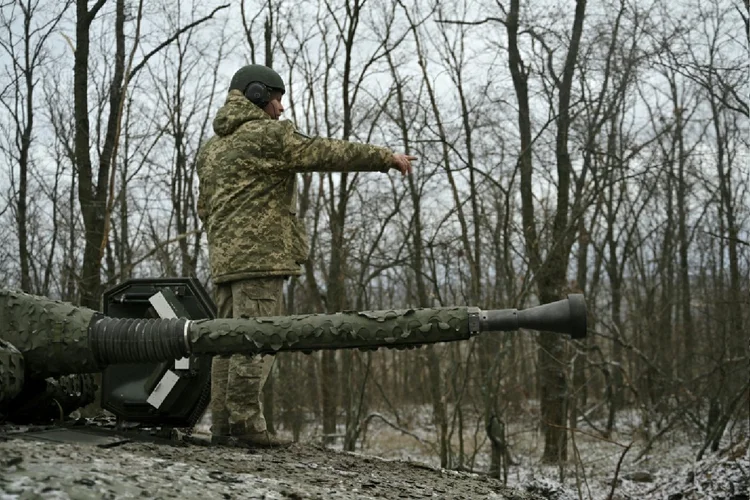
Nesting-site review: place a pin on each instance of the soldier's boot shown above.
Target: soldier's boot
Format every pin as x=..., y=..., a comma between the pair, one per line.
x=247, y=425
x=218, y=405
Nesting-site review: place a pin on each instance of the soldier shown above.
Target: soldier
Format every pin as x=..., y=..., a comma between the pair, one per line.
x=248, y=205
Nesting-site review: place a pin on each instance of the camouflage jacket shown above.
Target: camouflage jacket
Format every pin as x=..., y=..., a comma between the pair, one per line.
x=248, y=189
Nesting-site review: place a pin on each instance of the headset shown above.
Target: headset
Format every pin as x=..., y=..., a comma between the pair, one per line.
x=258, y=94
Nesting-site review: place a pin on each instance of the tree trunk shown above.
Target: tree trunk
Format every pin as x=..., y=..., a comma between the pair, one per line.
x=579, y=386
x=268, y=400
x=328, y=395
x=550, y=274
x=18, y=102
x=687, y=331
x=726, y=193
x=434, y=369
x=23, y=166
x=92, y=196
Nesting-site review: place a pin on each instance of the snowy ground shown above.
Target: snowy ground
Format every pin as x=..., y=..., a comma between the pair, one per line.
x=668, y=471
x=407, y=468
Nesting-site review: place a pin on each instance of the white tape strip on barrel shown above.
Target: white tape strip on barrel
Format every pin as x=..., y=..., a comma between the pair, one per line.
x=164, y=310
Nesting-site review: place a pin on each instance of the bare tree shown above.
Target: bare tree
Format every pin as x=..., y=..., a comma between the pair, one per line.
x=95, y=186
x=186, y=82
x=27, y=52
x=550, y=270
x=417, y=255
x=345, y=20
x=92, y=192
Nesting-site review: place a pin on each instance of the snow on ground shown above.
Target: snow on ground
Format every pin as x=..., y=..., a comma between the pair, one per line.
x=37, y=469
x=668, y=471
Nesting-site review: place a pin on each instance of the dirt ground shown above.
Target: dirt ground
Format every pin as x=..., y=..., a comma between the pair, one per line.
x=31, y=468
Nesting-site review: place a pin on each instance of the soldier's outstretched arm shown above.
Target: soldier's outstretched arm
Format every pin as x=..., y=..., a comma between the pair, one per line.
x=319, y=154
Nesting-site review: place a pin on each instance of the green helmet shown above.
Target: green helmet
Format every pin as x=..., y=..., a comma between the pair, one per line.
x=256, y=73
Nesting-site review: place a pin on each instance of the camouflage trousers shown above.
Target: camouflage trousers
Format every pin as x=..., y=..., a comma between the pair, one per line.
x=237, y=381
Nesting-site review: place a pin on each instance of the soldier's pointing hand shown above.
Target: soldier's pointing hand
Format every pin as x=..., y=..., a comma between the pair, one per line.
x=402, y=163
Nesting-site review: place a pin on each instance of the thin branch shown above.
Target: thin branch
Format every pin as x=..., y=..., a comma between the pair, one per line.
x=156, y=249
x=617, y=470
x=473, y=23
x=729, y=238
x=174, y=37
x=372, y=416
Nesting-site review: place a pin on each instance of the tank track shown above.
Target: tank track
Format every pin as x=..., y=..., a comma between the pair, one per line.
x=42, y=401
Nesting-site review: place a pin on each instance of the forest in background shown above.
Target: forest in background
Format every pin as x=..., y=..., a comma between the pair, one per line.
x=595, y=147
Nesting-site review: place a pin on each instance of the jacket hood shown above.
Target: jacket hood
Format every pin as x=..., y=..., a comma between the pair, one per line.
x=236, y=111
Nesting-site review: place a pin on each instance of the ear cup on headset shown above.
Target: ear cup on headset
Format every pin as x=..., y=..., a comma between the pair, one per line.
x=258, y=94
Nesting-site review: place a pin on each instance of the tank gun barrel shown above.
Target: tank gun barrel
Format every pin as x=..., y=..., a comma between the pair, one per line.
x=57, y=338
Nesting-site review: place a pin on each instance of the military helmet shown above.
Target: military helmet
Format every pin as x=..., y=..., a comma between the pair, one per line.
x=257, y=73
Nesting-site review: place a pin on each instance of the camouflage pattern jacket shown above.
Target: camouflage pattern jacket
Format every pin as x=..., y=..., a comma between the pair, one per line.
x=248, y=189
